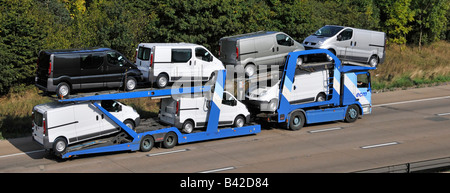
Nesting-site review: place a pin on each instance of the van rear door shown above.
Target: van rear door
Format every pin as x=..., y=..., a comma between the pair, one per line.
x=228, y=52
x=38, y=126
x=43, y=69
x=168, y=111
x=143, y=60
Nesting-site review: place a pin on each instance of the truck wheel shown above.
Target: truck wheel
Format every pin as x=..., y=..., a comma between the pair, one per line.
x=239, y=121
x=63, y=90
x=188, y=126
x=59, y=146
x=147, y=143
x=130, y=83
x=352, y=114
x=162, y=80
x=170, y=140
x=296, y=121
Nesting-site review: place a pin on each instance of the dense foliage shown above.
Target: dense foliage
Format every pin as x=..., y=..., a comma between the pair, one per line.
x=27, y=26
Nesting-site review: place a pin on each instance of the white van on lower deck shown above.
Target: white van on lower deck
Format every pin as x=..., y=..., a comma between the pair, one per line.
x=56, y=125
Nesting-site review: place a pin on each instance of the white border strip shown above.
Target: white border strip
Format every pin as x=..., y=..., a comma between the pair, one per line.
x=29, y=152
x=323, y=130
x=380, y=145
x=167, y=152
x=218, y=170
x=443, y=114
x=411, y=101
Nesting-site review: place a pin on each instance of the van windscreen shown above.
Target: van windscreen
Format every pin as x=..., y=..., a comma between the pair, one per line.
x=328, y=31
x=143, y=53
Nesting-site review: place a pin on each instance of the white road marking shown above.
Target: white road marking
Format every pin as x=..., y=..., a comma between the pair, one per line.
x=218, y=170
x=323, y=130
x=23, y=153
x=443, y=114
x=379, y=145
x=167, y=152
x=411, y=101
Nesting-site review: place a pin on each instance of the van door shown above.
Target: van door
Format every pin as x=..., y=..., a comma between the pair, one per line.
x=344, y=45
x=228, y=109
x=203, y=65
x=143, y=61
x=265, y=50
x=182, y=63
x=364, y=91
x=114, y=69
x=91, y=69
x=108, y=125
x=88, y=117
x=285, y=44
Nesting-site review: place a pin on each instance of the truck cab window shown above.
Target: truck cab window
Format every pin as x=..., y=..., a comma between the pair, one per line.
x=363, y=80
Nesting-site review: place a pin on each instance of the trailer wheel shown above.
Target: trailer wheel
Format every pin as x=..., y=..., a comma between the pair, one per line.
x=296, y=121
x=170, y=140
x=352, y=114
x=147, y=143
x=59, y=146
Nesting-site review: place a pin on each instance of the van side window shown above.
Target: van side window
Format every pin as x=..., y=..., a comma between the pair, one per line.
x=181, y=55
x=115, y=59
x=202, y=54
x=143, y=53
x=91, y=61
x=284, y=40
x=346, y=35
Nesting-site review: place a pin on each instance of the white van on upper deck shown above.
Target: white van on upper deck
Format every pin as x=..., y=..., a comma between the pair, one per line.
x=162, y=63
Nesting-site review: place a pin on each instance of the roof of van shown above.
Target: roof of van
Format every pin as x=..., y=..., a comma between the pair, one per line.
x=167, y=44
x=78, y=50
x=250, y=35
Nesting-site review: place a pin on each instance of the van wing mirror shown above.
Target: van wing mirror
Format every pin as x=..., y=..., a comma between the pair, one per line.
x=339, y=37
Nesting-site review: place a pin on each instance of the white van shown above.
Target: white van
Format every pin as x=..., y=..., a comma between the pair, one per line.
x=162, y=63
x=56, y=125
x=310, y=84
x=350, y=44
x=189, y=113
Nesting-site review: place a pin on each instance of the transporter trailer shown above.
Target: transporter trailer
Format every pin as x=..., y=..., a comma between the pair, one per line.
x=144, y=140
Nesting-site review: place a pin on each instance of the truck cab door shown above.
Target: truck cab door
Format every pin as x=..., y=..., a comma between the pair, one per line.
x=364, y=91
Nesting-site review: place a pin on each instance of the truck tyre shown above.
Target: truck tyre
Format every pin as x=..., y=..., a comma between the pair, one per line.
x=239, y=121
x=59, y=146
x=147, y=143
x=162, y=80
x=170, y=140
x=296, y=121
x=63, y=90
x=188, y=126
x=130, y=83
x=321, y=97
x=352, y=114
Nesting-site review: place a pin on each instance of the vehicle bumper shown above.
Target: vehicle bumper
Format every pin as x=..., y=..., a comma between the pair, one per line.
x=47, y=88
x=46, y=144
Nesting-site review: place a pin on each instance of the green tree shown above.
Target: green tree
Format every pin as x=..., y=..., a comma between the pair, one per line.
x=395, y=16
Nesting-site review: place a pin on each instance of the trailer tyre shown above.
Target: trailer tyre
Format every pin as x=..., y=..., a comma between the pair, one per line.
x=296, y=121
x=352, y=114
x=147, y=143
x=170, y=140
x=59, y=146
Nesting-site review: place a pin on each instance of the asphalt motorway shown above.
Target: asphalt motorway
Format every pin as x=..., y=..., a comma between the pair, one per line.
x=405, y=126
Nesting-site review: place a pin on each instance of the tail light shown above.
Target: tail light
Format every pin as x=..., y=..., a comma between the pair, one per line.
x=44, y=125
x=220, y=49
x=49, y=68
x=177, y=108
x=151, y=60
x=237, y=53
